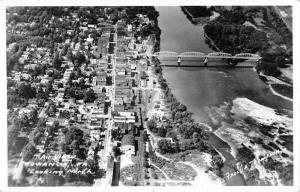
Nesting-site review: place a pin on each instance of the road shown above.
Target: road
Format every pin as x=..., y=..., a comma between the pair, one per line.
x=106, y=152
x=287, y=23
x=164, y=173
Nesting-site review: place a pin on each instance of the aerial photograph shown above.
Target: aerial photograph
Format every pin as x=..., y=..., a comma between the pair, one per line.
x=149, y=96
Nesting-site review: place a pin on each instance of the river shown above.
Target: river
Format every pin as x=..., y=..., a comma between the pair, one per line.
x=199, y=88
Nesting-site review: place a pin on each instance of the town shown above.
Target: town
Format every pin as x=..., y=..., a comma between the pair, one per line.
x=82, y=94
x=88, y=104
x=82, y=100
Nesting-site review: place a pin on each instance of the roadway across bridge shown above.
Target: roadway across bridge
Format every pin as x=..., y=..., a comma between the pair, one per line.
x=194, y=54
x=231, y=60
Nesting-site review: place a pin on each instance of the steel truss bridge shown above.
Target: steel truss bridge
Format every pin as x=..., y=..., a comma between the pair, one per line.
x=195, y=54
x=169, y=55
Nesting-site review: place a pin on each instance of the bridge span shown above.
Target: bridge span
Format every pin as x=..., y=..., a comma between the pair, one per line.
x=231, y=60
x=195, y=54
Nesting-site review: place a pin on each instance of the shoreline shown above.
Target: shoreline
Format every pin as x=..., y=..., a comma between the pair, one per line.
x=169, y=92
x=194, y=20
x=270, y=85
x=211, y=43
x=278, y=94
x=208, y=128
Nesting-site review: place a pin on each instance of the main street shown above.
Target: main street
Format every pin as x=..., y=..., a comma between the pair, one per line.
x=107, y=143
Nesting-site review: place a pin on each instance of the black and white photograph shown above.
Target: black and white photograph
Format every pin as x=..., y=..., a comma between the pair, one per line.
x=177, y=95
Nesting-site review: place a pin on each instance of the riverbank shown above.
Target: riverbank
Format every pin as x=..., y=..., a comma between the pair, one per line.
x=205, y=169
x=204, y=88
x=252, y=133
x=271, y=61
x=214, y=153
x=277, y=86
x=202, y=18
x=210, y=42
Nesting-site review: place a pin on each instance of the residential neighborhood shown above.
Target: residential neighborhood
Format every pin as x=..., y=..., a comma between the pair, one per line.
x=83, y=94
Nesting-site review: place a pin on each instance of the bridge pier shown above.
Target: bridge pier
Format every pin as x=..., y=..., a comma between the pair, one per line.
x=178, y=60
x=205, y=61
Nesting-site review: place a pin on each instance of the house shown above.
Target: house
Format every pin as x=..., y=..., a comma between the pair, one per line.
x=49, y=123
x=129, y=27
x=90, y=106
x=94, y=135
x=70, y=32
x=83, y=28
x=40, y=148
x=32, y=103
x=66, y=123
x=24, y=111
x=143, y=79
x=90, y=26
x=125, y=117
x=89, y=40
x=79, y=117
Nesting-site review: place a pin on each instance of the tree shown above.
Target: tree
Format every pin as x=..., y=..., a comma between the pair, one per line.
x=64, y=114
x=56, y=61
x=70, y=55
x=25, y=90
x=162, y=132
x=196, y=137
x=151, y=124
x=29, y=151
x=175, y=105
x=51, y=110
x=24, y=121
x=65, y=148
x=165, y=146
x=12, y=136
x=79, y=57
x=81, y=83
x=93, y=165
x=185, y=145
x=108, y=80
x=48, y=88
x=32, y=116
x=64, y=50
x=89, y=96
x=74, y=134
x=37, y=137
x=162, y=81
x=181, y=107
x=145, y=163
x=217, y=162
x=286, y=173
x=145, y=136
x=172, y=135
x=115, y=134
x=81, y=153
x=54, y=128
x=56, y=124
x=146, y=155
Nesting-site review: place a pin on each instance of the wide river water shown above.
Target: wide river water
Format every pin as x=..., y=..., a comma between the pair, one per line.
x=198, y=88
